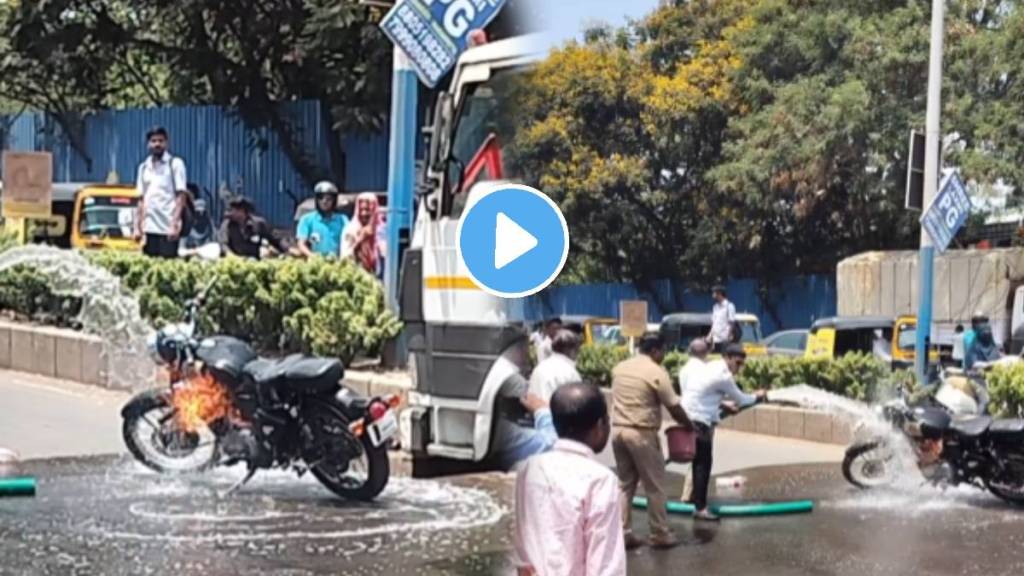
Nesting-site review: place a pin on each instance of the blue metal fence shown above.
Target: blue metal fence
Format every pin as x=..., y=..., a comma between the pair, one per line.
x=795, y=303
x=216, y=146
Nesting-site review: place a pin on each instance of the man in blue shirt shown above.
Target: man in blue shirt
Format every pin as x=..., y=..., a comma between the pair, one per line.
x=320, y=232
x=979, y=343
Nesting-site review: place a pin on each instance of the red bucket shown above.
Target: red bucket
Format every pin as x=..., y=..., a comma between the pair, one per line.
x=682, y=444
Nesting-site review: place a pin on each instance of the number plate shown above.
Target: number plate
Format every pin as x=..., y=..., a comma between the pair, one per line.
x=382, y=430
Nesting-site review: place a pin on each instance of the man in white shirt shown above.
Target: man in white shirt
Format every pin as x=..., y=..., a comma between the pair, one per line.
x=543, y=346
x=698, y=357
x=702, y=400
x=559, y=369
x=568, y=520
x=162, y=184
x=698, y=353
x=723, y=315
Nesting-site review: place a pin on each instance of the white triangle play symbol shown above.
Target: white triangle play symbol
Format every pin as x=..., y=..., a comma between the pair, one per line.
x=511, y=241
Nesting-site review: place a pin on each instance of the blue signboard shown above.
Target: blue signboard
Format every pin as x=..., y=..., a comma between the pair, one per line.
x=433, y=33
x=947, y=213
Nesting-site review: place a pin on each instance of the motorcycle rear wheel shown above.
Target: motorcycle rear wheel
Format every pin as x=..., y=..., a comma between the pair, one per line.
x=1010, y=486
x=362, y=477
x=152, y=437
x=870, y=465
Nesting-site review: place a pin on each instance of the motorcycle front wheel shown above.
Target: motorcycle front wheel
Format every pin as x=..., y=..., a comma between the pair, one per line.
x=353, y=468
x=870, y=465
x=153, y=437
x=1009, y=485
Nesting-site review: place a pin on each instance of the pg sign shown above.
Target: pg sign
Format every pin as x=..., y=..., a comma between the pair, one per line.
x=433, y=33
x=947, y=213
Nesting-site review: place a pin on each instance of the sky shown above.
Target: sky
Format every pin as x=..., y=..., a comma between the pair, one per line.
x=565, y=19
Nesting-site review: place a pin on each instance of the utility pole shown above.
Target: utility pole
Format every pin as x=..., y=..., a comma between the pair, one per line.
x=401, y=167
x=933, y=136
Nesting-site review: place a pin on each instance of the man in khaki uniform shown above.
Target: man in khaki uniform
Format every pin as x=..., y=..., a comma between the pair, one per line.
x=640, y=387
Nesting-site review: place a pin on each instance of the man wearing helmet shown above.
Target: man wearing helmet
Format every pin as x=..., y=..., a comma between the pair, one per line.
x=320, y=232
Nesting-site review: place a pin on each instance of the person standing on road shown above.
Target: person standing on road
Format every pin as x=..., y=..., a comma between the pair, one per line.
x=702, y=400
x=723, y=317
x=640, y=388
x=698, y=357
x=698, y=353
x=568, y=521
x=559, y=369
x=361, y=240
x=543, y=346
x=319, y=232
x=958, y=344
x=243, y=232
x=162, y=185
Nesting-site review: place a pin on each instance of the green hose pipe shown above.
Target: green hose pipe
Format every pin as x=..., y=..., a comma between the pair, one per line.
x=755, y=509
x=17, y=487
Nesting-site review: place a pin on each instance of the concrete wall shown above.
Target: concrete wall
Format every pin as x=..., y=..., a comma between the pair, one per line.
x=70, y=355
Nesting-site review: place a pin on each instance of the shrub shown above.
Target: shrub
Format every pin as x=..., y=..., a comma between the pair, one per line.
x=318, y=306
x=595, y=362
x=857, y=376
x=1006, y=391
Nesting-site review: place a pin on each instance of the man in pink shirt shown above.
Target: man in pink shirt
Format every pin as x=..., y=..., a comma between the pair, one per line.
x=568, y=521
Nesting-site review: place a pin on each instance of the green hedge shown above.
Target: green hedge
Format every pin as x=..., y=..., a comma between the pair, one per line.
x=855, y=376
x=1006, y=389
x=320, y=307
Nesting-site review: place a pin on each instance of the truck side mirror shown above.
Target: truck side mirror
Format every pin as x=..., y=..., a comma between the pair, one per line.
x=440, y=132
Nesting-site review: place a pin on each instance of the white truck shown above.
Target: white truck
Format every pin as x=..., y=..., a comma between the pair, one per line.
x=966, y=282
x=465, y=345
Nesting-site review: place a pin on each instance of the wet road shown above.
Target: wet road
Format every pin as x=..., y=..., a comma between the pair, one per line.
x=110, y=516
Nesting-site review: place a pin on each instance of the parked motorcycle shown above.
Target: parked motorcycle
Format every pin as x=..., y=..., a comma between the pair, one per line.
x=225, y=405
x=949, y=450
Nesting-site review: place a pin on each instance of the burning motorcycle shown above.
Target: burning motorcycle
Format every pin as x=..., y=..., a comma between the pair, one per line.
x=226, y=406
x=949, y=448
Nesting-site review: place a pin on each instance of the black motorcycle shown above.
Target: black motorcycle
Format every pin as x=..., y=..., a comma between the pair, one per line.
x=225, y=405
x=949, y=451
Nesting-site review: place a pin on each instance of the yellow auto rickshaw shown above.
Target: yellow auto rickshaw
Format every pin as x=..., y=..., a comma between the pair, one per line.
x=887, y=338
x=84, y=217
x=678, y=330
x=104, y=218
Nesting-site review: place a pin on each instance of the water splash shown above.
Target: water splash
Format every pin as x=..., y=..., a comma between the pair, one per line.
x=866, y=422
x=108, y=310
x=817, y=399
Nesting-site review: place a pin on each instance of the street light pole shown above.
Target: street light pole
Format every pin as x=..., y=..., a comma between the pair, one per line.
x=933, y=137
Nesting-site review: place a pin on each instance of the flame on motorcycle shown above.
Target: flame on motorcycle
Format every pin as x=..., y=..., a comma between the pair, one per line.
x=198, y=401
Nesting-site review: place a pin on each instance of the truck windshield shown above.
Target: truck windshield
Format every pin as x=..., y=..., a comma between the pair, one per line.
x=488, y=109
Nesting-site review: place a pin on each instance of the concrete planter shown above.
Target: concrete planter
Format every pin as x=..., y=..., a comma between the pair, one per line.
x=78, y=357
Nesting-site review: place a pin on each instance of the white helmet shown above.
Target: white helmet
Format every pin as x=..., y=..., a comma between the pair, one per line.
x=325, y=187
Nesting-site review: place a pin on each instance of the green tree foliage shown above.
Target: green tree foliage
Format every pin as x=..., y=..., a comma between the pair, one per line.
x=68, y=57
x=762, y=137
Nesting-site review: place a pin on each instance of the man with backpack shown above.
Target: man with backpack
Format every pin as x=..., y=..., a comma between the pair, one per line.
x=161, y=182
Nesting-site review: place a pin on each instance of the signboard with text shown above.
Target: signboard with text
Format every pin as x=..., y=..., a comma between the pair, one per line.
x=433, y=33
x=633, y=318
x=28, y=184
x=947, y=213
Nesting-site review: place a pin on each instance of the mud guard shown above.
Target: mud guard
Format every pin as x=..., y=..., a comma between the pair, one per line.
x=143, y=402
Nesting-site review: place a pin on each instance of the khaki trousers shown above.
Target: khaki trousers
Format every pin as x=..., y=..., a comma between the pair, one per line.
x=638, y=458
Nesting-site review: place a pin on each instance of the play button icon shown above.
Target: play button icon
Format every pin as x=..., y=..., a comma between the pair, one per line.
x=513, y=240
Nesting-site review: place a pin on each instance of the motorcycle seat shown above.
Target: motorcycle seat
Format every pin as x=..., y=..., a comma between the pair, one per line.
x=971, y=427
x=297, y=373
x=1007, y=427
